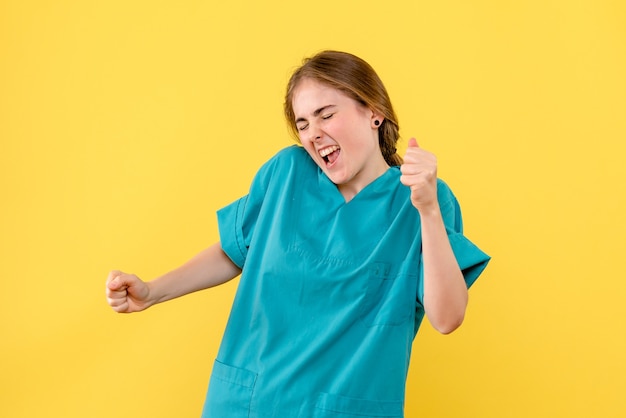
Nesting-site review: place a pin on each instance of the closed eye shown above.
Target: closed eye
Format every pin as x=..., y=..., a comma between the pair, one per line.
x=316, y=113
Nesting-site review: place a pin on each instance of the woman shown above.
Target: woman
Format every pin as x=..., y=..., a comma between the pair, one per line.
x=342, y=249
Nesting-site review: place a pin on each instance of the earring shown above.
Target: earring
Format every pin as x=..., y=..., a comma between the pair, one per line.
x=376, y=122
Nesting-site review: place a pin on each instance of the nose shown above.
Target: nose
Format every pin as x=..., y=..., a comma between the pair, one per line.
x=315, y=134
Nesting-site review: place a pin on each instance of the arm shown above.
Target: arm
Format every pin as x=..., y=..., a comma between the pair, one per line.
x=445, y=291
x=127, y=293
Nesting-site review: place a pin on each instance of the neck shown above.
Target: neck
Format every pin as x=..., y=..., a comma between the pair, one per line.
x=352, y=188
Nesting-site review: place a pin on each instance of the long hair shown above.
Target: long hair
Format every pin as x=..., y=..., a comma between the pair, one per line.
x=356, y=79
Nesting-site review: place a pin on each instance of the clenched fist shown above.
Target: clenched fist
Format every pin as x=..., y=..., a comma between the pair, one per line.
x=127, y=293
x=419, y=173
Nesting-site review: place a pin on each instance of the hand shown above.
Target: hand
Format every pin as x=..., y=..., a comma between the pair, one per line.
x=419, y=172
x=126, y=293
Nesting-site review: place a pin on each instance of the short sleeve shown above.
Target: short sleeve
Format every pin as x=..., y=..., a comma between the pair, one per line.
x=231, y=224
x=471, y=259
x=238, y=220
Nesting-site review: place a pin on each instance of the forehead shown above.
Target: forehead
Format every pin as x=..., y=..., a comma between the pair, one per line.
x=310, y=95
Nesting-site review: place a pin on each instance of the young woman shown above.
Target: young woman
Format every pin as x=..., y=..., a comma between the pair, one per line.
x=342, y=248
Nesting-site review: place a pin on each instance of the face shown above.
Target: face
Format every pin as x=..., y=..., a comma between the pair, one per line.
x=339, y=134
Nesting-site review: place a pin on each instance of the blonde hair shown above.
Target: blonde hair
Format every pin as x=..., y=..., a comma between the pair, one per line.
x=356, y=79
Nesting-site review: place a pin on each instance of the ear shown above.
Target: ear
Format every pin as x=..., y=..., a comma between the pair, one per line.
x=376, y=120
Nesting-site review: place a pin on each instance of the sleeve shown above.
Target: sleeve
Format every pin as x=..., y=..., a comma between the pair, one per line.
x=471, y=259
x=237, y=221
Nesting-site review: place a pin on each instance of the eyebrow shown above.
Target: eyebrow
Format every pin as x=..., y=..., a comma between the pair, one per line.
x=316, y=113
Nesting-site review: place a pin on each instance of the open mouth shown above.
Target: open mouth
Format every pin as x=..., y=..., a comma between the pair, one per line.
x=330, y=154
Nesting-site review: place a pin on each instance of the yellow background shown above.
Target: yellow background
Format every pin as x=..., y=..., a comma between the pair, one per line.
x=124, y=125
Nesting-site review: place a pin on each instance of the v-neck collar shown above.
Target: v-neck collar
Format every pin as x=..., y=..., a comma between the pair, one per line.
x=330, y=189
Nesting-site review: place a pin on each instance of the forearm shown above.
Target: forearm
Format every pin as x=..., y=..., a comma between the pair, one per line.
x=209, y=268
x=445, y=291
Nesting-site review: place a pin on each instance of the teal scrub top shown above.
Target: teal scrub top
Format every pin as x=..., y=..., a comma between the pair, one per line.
x=330, y=295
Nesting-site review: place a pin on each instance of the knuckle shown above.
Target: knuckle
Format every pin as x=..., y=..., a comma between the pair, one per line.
x=120, y=308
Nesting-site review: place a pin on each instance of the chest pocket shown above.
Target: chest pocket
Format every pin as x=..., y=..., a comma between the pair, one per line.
x=390, y=297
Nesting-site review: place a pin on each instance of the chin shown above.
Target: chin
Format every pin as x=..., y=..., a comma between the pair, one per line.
x=337, y=179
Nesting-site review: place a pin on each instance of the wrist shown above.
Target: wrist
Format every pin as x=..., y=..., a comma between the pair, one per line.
x=153, y=296
x=430, y=212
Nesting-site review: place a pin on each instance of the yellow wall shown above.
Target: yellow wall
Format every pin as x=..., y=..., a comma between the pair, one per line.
x=124, y=125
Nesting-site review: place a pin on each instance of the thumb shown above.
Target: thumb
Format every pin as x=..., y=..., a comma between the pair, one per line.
x=413, y=143
x=113, y=281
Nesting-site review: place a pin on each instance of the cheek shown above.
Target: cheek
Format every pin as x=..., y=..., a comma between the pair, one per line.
x=308, y=146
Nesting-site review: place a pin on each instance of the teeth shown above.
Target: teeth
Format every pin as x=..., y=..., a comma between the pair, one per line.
x=324, y=152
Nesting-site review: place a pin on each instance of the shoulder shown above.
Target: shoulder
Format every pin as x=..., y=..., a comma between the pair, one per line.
x=449, y=206
x=286, y=162
x=287, y=157
x=444, y=193
x=293, y=153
